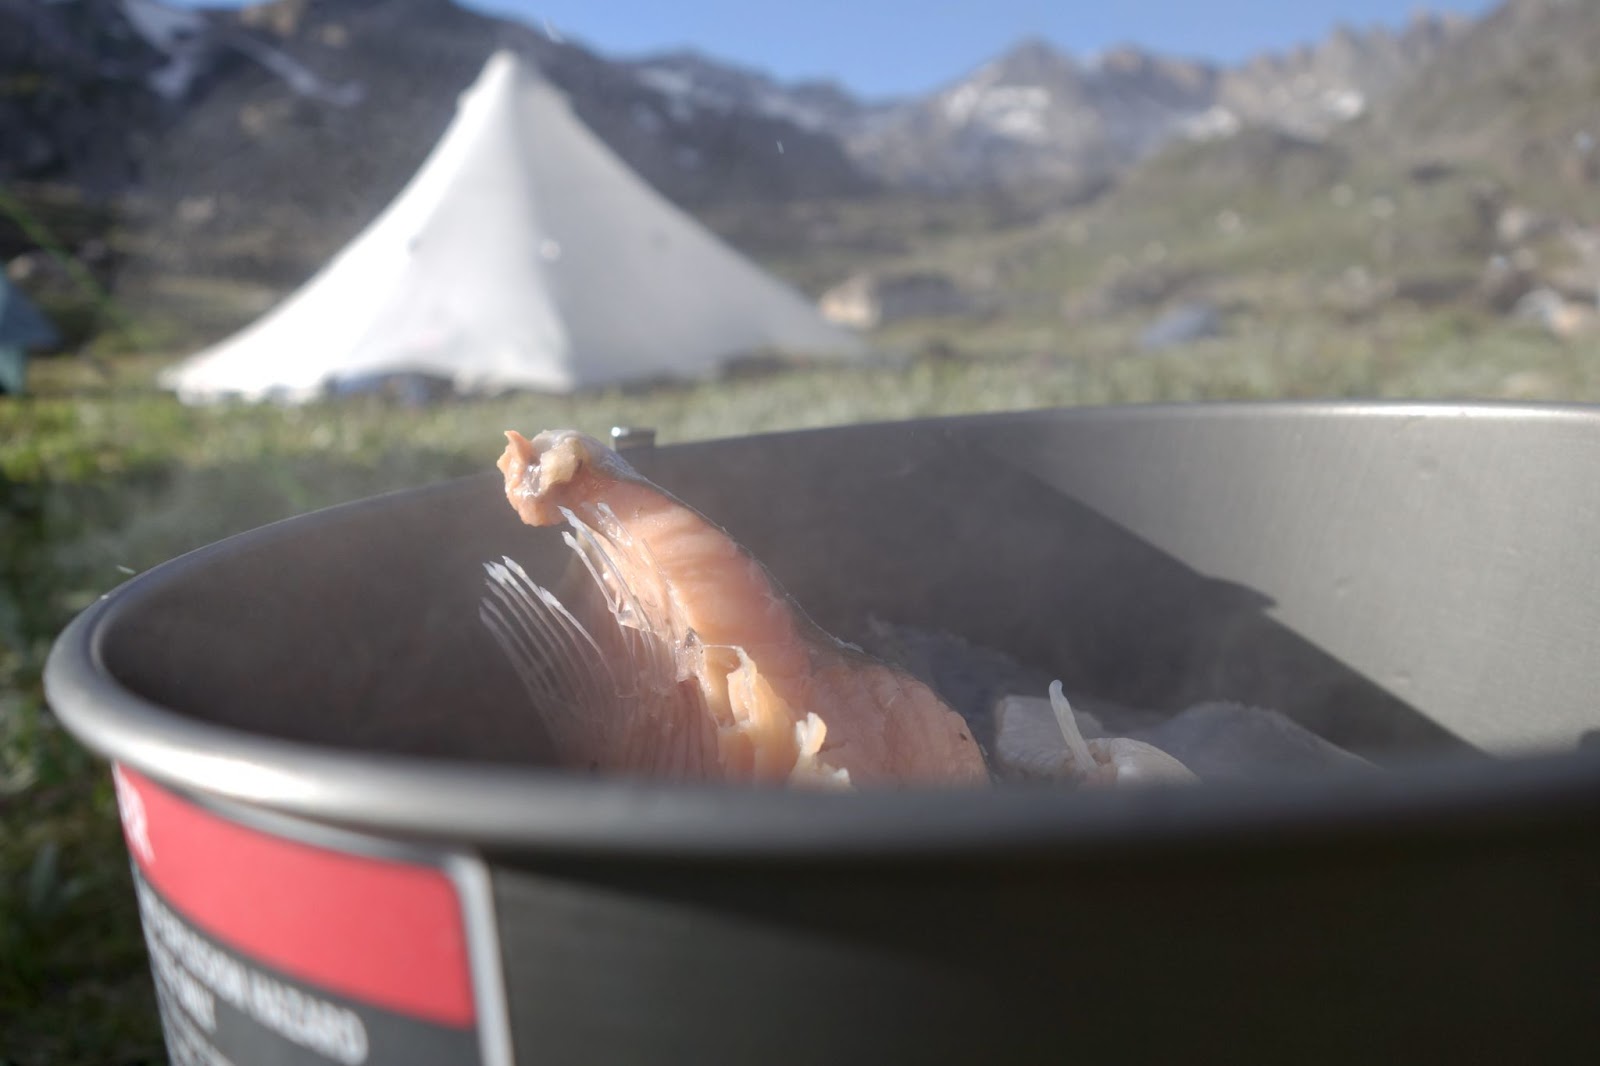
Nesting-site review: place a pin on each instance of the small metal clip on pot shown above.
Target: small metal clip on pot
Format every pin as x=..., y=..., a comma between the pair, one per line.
x=624, y=438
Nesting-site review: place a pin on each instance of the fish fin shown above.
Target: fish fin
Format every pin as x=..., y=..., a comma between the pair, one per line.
x=596, y=670
x=637, y=614
x=576, y=675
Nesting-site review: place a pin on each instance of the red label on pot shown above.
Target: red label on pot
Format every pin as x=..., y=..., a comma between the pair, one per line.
x=268, y=949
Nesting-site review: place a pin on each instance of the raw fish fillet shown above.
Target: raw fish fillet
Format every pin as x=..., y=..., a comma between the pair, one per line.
x=699, y=667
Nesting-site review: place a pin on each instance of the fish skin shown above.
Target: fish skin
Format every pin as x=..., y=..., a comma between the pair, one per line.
x=764, y=694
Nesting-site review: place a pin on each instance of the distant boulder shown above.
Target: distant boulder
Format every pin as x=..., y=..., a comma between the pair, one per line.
x=1182, y=325
x=870, y=300
x=1519, y=225
x=1560, y=316
x=1503, y=282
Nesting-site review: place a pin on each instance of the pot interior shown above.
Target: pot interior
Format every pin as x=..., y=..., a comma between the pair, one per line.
x=1403, y=581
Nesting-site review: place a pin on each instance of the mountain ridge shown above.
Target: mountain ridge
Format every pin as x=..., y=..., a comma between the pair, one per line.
x=1404, y=157
x=1029, y=115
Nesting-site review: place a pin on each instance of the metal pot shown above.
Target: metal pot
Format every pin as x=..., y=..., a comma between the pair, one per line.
x=350, y=847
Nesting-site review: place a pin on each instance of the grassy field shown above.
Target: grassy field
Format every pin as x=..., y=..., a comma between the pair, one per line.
x=101, y=476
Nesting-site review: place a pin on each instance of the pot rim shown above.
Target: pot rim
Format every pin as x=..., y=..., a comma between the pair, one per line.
x=530, y=808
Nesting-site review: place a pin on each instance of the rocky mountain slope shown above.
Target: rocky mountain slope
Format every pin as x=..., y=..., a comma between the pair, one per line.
x=302, y=99
x=314, y=103
x=1036, y=115
x=1315, y=89
x=1515, y=96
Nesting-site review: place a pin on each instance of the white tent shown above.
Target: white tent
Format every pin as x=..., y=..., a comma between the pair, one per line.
x=523, y=254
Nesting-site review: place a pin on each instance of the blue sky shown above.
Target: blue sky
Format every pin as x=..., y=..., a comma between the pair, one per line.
x=881, y=47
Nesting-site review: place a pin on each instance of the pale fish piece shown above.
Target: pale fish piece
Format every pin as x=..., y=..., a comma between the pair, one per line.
x=1231, y=741
x=1042, y=739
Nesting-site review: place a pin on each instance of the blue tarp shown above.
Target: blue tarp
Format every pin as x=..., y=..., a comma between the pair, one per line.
x=22, y=326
